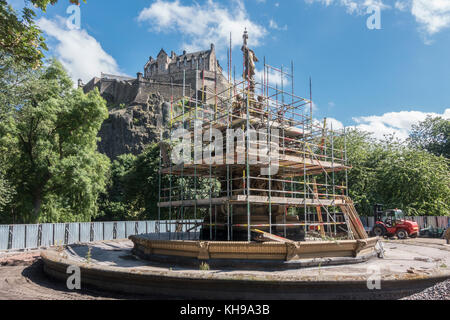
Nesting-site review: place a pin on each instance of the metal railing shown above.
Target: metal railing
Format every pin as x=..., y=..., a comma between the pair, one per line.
x=34, y=236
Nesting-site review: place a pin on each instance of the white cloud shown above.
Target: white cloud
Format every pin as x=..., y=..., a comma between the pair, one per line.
x=401, y=5
x=398, y=123
x=274, y=78
x=433, y=16
x=274, y=25
x=332, y=124
x=81, y=54
x=203, y=24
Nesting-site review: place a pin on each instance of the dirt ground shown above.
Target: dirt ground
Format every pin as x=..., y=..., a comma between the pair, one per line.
x=22, y=276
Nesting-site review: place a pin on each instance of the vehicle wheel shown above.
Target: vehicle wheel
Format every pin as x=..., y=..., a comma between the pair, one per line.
x=402, y=234
x=413, y=236
x=379, y=231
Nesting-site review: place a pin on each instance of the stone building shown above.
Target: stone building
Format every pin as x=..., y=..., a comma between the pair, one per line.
x=165, y=75
x=164, y=65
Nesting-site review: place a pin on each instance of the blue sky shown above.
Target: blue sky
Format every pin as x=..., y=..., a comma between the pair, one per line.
x=380, y=80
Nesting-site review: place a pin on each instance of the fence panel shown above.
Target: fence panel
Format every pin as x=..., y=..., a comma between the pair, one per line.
x=4, y=237
x=109, y=231
x=32, y=234
x=60, y=234
x=151, y=226
x=443, y=222
x=98, y=231
x=85, y=232
x=130, y=228
x=74, y=233
x=142, y=227
x=18, y=239
x=47, y=235
x=120, y=228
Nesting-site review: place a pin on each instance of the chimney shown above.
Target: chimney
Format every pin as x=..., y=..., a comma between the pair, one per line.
x=80, y=83
x=212, y=47
x=139, y=76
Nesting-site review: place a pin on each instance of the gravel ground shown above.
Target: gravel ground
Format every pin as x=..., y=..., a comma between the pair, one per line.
x=441, y=291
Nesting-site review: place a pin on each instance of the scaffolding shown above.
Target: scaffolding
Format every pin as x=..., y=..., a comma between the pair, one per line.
x=231, y=188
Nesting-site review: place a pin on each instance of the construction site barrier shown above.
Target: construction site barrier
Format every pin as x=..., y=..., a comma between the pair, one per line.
x=35, y=236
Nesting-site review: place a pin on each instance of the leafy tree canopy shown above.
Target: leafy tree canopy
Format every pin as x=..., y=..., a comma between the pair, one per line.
x=133, y=191
x=20, y=38
x=432, y=135
x=396, y=175
x=49, y=130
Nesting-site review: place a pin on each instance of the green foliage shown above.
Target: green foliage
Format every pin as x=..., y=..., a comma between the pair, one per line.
x=20, y=38
x=432, y=135
x=133, y=190
x=204, y=267
x=397, y=176
x=114, y=205
x=415, y=181
x=133, y=187
x=50, y=132
x=6, y=191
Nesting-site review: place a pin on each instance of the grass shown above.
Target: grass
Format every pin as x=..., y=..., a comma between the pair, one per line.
x=89, y=255
x=204, y=266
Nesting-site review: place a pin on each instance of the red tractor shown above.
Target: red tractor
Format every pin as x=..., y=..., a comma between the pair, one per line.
x=393, y=223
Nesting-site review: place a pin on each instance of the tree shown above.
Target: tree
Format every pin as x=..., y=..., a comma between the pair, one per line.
x=362, y=153
x=6, y=191
x=133, y=190
x=416, y=181
x=20, y=38
x=396, y=175
x=50, y=132
x=432, y=135
x=113, y=204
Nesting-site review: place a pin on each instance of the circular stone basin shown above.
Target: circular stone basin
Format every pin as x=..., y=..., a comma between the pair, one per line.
x=112, y=266
x=254, y=255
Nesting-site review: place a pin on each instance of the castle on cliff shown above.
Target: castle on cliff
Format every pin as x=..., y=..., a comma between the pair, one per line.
x=168, y=75
x=140, y=107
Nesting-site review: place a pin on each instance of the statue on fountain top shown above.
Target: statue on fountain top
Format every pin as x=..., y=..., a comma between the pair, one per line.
x=249, y=63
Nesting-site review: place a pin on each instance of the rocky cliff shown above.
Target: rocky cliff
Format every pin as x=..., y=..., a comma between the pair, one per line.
x=130, y=128
x=140, y=108
x=138, y=111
